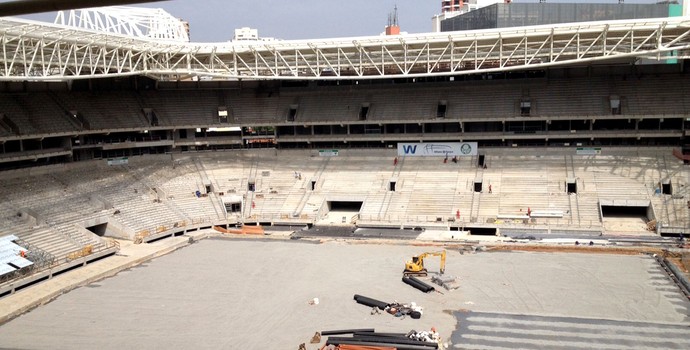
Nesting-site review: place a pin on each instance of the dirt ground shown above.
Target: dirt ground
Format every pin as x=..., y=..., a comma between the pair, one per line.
x=254, y=294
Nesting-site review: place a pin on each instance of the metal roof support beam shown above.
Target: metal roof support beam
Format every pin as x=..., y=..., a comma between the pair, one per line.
x=395, y=61
x=36, y=51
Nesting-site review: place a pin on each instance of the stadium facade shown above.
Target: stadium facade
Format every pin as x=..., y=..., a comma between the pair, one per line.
x=609, y=105
x=75, y=93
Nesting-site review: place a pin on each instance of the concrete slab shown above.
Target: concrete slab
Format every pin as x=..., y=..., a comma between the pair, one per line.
x=254, y=294
x=479, y=330
x=444, y=235
x=130, y=255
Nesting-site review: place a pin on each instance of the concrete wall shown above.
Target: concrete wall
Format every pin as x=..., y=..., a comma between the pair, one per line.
x=113, y=229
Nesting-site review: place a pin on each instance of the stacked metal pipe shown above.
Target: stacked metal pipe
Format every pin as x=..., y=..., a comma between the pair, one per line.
x=370, y=339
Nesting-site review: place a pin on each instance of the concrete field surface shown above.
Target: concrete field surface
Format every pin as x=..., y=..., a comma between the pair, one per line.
x=254, y=294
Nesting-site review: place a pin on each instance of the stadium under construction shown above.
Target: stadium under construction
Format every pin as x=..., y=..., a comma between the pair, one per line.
x=525, y=130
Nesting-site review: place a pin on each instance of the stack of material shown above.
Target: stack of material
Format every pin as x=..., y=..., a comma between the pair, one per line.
x=395, y=309
x=360, y=299
x=370, y=340
x=447, y=282
x=418, y=284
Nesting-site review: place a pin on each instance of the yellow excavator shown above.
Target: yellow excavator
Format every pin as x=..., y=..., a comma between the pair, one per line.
x=415, y=267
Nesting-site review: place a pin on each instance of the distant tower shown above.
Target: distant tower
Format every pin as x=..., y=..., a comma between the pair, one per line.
x=393, y=28
x=451, y=5
x=185, y=24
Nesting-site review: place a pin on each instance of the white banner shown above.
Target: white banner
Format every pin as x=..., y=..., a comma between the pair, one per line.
x=437, y=149
x=588, y=151
x=118, y=161
x=328, y=152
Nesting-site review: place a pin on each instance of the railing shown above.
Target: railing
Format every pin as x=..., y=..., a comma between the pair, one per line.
x=450, y=220
x=41, y=260
x=163, y=227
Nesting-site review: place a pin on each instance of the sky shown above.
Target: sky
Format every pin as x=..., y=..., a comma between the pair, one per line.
x=216, y=20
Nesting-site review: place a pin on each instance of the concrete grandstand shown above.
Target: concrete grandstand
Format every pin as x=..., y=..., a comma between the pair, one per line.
x=579, y=133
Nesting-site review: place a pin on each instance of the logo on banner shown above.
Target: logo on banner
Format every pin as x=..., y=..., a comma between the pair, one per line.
x=409, y=149
x=437, y=149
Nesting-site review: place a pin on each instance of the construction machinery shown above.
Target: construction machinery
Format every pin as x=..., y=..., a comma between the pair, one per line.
x=415, y=267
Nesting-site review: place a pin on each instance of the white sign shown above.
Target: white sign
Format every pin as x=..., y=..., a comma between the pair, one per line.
x=328, y=152
x=118, y=161
x=437, y=149
x=588, y=151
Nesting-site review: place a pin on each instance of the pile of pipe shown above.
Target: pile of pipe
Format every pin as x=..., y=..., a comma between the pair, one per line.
x=360, y=299
x=418, y=284
x=369, y=339
x=396, y=309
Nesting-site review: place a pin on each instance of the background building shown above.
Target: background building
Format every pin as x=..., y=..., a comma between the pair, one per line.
x=453, y=8
x=504, y=15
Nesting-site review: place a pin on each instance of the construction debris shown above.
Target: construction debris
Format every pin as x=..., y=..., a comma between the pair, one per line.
x=631, y=250
x=244, y=230
x=402, y=310
x=447, y=282
x=396, y=309
x=467, y=249
x=651, y=225
x=411, y=340
x=316, y=338
x=426, y=336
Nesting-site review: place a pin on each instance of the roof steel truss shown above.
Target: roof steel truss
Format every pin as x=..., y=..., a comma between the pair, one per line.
x=41, y=51
x=132, y=21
